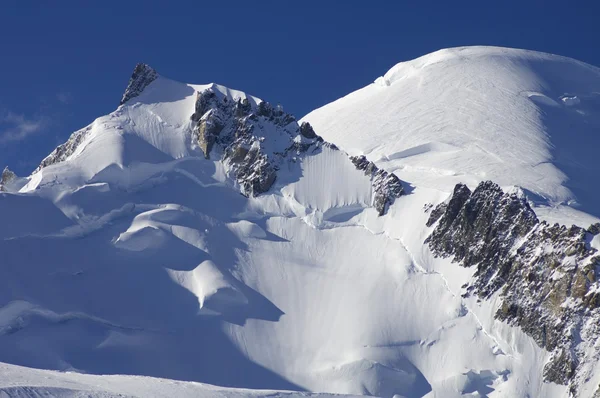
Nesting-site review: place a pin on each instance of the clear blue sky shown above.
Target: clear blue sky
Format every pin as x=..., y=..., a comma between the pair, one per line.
x=64, y=64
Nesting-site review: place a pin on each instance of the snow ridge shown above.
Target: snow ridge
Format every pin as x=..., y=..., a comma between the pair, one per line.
x=130, y=249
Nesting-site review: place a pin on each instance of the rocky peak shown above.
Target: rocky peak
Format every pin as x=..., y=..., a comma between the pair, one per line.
x=141, y=77
x=546, y=275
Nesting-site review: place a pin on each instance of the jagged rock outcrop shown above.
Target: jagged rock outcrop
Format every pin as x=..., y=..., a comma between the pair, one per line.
x=252, y=138
x=386, y=186
x=7, y=177
x=489, y=217
x=63, y=151
x=237, y=129
x=307, y=131
x=546, y=275
x=240, y=133
x=208, y=129
x=142, y=76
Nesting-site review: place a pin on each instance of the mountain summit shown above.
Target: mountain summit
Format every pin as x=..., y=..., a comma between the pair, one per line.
x=412, y=239
x=142, y=76
x=471, y=114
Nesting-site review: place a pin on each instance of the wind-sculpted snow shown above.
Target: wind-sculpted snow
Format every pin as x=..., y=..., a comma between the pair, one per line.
x=472, y=114
x=255, y=142
x=546, y=275
x=164, y=270
x=131, y=251
x=20, y=382
x=63, y=151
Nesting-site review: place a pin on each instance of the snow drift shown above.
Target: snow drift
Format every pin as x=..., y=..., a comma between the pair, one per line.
x=198, y=233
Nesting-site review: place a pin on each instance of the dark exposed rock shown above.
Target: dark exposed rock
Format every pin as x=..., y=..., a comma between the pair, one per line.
x=361, y=163
x=255, y=173
x=307, y=131
x=242, y=107
x=491, y=218
x=264, y=109
x=63, y=151
x=235, y=127
x=7, y=177
x=208, y=129
x=450, y=210
x=386, y=186
x=205, y=100
x=141, y=78
x=594, y=229
x=561, y=367
x=436, y=213
x=546, y=274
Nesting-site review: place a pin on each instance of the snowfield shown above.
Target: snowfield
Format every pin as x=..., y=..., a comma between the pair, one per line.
x=469, y=114
x=19, y=382
x=134, y=255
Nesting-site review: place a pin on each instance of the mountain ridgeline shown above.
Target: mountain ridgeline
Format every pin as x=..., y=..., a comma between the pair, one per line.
x=414, y=238
x=546, y=275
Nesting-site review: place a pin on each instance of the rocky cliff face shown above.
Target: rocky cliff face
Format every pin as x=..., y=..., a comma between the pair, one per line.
x=546, y=275
x=254, y=142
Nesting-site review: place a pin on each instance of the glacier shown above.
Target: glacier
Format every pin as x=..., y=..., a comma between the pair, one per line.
x=198, y=236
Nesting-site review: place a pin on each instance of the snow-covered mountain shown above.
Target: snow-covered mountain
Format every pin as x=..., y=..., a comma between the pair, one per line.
x=480, y=113
x=398, y=241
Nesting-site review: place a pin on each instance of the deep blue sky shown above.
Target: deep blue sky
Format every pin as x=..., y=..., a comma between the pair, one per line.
x=63, y=64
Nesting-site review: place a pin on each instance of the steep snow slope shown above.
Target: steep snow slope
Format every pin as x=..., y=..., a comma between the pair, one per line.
x=146, y=260
x=479, y=113
x=515, y=117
